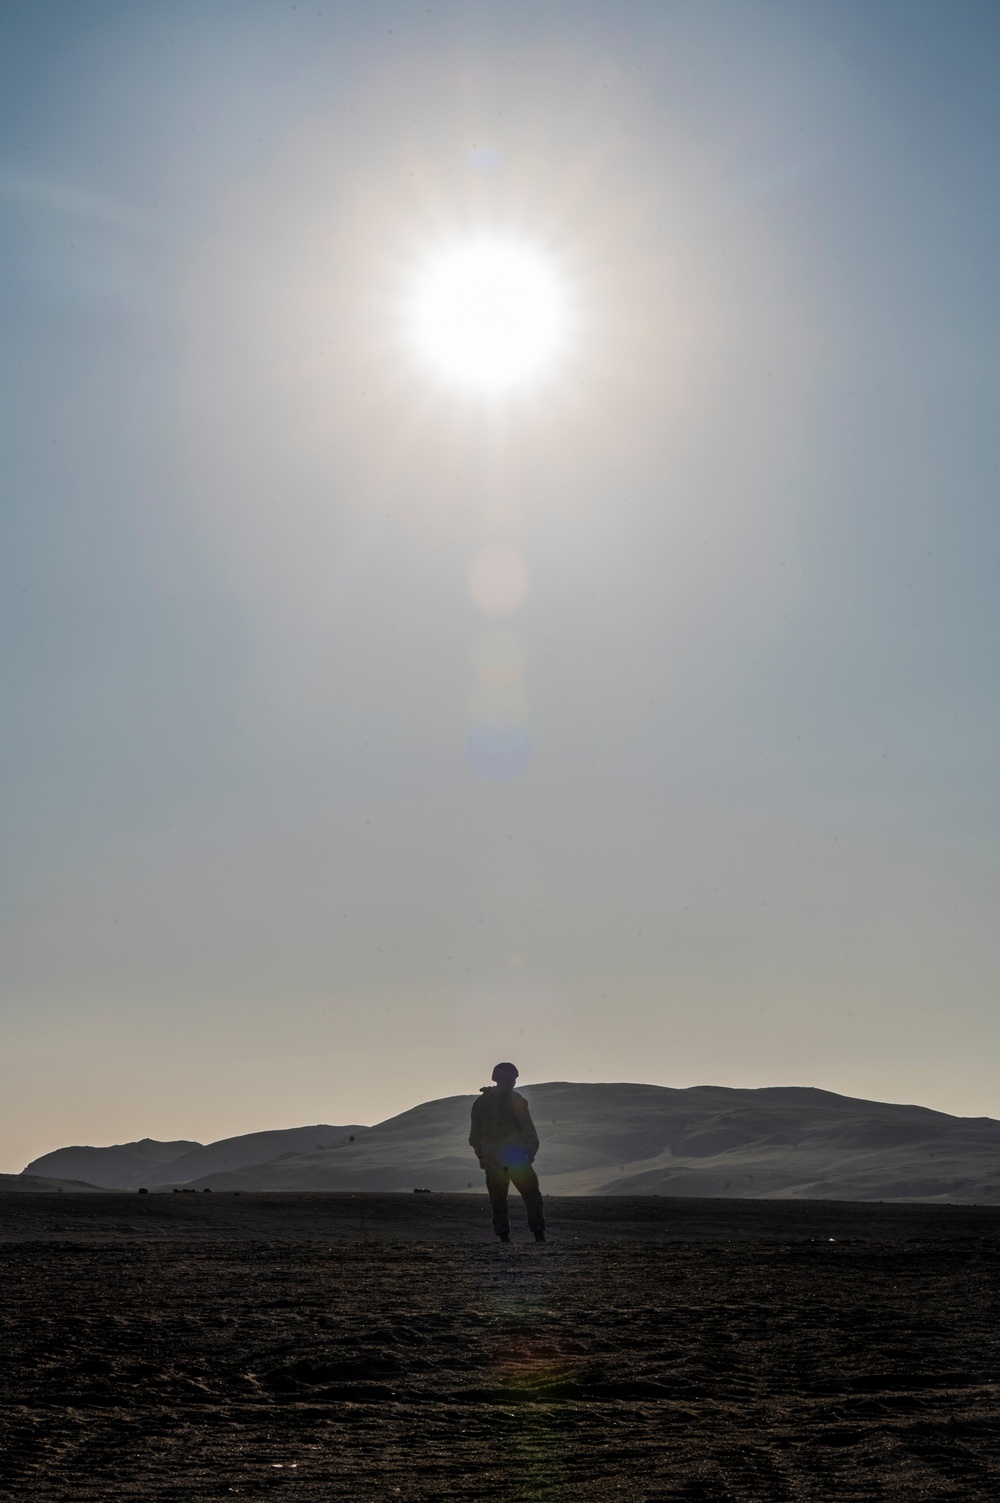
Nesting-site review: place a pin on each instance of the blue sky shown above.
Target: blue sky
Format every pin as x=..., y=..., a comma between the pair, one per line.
x=745, y=828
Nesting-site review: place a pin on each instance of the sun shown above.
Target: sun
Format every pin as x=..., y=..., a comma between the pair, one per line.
x=488, y=315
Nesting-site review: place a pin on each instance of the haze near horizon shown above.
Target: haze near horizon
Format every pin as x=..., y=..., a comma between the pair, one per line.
x=499, y=554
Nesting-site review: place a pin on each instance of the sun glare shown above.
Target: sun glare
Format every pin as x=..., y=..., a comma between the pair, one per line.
x=488, y=314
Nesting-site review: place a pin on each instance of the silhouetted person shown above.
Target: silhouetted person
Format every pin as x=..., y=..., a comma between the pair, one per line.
x=505, y=1142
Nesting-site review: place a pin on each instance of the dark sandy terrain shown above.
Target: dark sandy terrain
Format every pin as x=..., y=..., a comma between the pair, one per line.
x=104, y=1217
x=169, y=1363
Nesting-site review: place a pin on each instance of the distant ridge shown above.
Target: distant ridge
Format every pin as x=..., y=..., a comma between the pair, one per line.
x=20, y=1183
x=126, y=1166
x=607, y=1139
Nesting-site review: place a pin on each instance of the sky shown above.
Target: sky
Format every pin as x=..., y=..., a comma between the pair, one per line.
x=636, y=722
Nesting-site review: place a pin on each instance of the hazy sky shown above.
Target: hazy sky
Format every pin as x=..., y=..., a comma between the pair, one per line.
x=358, y=730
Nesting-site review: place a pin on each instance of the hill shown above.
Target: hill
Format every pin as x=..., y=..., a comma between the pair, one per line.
x=630, y=1139
x=19, y=1183
x=126, y=1166
x=598, y=1139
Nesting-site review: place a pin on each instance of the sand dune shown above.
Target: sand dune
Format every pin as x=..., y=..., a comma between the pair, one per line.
x=652, y=1140
x=123, y=1166
x=126, y=1166
x=250, y=1148
x=19, y=1183
x=630, y=1139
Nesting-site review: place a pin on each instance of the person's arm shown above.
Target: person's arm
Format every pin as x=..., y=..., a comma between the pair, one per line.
x=476, y=1132
x=529, y=1136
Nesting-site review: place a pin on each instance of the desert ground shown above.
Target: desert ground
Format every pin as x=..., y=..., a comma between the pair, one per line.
x=369, y=1347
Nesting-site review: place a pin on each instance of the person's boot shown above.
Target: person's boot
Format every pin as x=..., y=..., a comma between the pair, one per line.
x=539, y=1236
x=504, y=1236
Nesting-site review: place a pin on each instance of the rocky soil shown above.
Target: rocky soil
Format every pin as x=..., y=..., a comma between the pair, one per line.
x=168, y=1368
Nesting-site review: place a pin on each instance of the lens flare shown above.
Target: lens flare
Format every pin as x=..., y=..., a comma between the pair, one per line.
x=497, y=746
x=498, y=579
x=498, y=659
x=498, y=749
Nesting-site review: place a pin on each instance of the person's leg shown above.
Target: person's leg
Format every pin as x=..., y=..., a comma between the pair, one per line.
x=497, y=1184
x=526, y=1181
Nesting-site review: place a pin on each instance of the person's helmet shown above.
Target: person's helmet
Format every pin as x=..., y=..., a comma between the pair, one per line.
x=505, y=1068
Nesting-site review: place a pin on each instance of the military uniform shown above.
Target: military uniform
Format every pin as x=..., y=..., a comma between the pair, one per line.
x=505, y=1141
